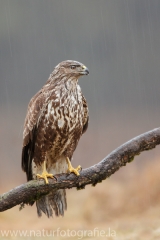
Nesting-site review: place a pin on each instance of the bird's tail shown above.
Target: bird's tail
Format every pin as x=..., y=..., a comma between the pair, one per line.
x=54, y=203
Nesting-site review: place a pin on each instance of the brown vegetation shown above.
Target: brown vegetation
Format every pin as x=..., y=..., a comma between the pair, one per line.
x=130, y=206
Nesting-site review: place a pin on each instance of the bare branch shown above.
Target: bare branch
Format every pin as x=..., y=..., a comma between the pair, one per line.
x=34, y=189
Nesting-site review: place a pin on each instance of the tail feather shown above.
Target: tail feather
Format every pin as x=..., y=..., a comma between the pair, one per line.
x=53, y=203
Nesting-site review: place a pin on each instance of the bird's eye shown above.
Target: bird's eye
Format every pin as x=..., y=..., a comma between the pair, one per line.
x=73, y=66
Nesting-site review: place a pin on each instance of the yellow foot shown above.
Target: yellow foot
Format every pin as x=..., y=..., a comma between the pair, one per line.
x=71, y=169
x=45, y=174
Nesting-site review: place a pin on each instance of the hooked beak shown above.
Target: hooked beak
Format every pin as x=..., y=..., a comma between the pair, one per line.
x=85, y=70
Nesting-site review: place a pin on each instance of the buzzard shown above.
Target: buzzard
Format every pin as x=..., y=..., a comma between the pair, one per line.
x=57, y=116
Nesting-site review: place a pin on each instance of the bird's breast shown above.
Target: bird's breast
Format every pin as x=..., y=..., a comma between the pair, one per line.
x=65, y=112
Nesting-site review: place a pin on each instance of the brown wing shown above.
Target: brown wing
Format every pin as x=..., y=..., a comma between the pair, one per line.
x=29, y=134
x=86, y=115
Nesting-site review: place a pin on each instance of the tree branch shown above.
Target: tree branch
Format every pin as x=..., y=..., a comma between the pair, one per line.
x=34, y=189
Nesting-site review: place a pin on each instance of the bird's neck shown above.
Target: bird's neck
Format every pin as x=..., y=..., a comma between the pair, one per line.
x=69, y=82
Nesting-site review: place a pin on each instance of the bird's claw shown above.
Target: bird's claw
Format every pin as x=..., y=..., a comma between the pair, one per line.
x=72, y=169
x=45, y=175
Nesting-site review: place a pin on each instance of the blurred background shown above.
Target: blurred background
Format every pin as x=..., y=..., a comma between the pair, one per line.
x=119, y=41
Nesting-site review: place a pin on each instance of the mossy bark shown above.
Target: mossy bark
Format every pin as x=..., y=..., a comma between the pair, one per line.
x=34, y=189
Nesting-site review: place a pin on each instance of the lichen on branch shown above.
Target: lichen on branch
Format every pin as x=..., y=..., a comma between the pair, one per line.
x=124, y=154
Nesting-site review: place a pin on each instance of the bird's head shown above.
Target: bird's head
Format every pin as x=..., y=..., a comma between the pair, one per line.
x=72, y=68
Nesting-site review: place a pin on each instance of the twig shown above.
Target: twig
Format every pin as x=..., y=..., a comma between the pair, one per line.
x=34, y=189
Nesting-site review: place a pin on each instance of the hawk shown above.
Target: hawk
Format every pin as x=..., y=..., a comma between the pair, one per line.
x=57, y=116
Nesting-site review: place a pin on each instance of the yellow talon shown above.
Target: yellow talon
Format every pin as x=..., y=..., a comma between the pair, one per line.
x=71, y=169
x=45, y=174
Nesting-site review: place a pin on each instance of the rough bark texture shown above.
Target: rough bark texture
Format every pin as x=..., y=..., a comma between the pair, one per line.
x=34, y=189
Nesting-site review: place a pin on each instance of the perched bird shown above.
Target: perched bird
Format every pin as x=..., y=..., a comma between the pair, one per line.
x=57, y=116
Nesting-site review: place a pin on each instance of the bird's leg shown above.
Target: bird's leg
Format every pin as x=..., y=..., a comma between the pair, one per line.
x=45, y=174
x=71, y=169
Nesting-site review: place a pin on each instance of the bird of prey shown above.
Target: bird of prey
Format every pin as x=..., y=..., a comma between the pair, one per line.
x=57, y=116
